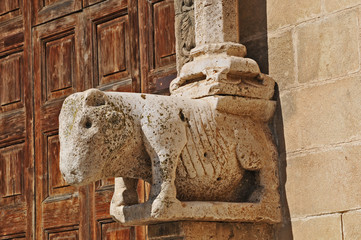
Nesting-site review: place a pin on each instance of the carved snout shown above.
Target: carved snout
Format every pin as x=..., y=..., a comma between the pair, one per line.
x=76, y=169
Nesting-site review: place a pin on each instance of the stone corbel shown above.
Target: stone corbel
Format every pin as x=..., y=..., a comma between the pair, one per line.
x=209, y=159
x=206, y=150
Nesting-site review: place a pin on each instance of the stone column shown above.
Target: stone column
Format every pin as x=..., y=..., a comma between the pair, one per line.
x=216, y=21
x=219, y=65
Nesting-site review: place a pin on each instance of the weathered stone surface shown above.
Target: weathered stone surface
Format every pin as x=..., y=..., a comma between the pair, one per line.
x=328, y=48
x=322, y=115
x=335, y=5
x=324, y=182
x=351, y=225
x=221, y=69
x=188, y=149
x=318, y=228
x=283, y=13
x=210, y=230
x=282, y=59
x=216, y=21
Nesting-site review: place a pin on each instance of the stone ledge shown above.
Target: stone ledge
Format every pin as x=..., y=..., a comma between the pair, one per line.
x=141, y=214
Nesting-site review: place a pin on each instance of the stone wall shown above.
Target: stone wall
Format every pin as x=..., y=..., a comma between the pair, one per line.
x=314, y=55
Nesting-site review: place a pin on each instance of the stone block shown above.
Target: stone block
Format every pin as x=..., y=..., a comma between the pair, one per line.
x=282, y=59
x=324, y=182
x=284, y=13
x=328, y=48
x=336, y=5
x=351, y=225
x=318, y=228
x=322, y=115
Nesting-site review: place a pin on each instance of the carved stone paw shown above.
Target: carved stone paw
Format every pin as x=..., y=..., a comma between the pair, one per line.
x=164, y=207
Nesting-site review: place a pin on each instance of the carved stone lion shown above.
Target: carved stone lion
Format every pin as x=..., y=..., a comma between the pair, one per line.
x=185, y=148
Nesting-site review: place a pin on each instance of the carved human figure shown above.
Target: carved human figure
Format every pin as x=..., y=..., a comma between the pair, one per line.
x=185, y=148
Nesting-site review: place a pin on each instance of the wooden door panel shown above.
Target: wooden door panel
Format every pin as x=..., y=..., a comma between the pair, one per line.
x=87, y=3
x=112, y=50
x=10, y=9
x=11, y=173
x=111, y=230
x=11, y=80
x=13, y=207
x=58, y=59
x=113, y=28
x=58, y=72
x=54, y=186
x=12, y=120
x=65, y=233
x=157, y=38
x=14, y=157
x=8, y=6
x=164, y=37
x=75, y=45
x=46, y=10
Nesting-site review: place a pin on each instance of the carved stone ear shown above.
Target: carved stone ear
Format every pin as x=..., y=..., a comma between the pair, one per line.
x=95, y=97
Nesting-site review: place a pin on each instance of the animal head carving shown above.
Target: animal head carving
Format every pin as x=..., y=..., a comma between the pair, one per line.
x=91, y=128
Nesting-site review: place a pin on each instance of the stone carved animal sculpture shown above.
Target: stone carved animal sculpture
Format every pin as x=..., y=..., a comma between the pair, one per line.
x=185, y=148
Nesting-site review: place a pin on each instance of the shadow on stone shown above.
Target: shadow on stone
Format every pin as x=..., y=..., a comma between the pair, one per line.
x=283, y=231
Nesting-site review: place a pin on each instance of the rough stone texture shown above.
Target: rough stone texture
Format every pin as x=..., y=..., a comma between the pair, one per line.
x=318, y=122
x=351, y=225
x=330, y=181
x=185, y=34
x=282, y=59
x=318, y=228
x=216, y=21
x=322, y=115
x=219, y=66
x=210, y=230
x=283, y=13
x=212, y=149
x=321, y=43
x=221, y=69
x=335, y=5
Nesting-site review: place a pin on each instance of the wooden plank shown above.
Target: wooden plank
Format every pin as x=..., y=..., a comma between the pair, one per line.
x=46, y=10
x=58, y=72
x=158, y=62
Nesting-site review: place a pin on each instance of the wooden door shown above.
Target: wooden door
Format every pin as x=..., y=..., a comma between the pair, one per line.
x=16, y=141
x=48, y=50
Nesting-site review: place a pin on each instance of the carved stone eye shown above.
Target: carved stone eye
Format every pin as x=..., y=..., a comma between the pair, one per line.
x=88, y=124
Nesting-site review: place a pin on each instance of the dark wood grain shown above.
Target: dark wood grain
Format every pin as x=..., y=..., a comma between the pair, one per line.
x=48, y=50
x=158, y=62
x=47, y=10
x=16, y=178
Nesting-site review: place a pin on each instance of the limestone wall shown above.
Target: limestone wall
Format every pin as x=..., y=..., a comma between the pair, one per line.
x=314, y=55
